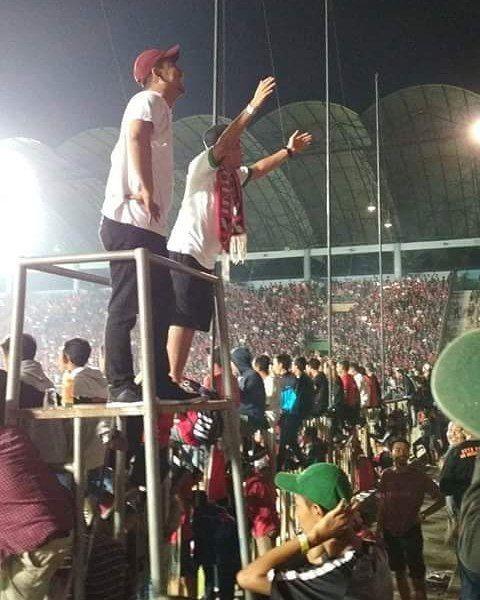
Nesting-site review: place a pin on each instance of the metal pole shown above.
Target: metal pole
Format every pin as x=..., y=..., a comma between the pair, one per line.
x=15, y=351
x=79, y=542
x=380, y=239
x=152, y=467
x=119, y=497
x=327, y=204
x=232, y=425
x=216, y=24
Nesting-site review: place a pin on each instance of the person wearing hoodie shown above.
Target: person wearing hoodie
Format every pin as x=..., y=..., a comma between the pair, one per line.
x=48, y=436
x=252, y=392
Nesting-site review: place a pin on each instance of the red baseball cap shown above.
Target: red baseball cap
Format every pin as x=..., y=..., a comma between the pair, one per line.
x=146, y=60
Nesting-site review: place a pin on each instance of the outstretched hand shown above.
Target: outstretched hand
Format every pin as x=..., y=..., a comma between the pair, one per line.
x=144, y=197
x=299, y=141
x=264, y=89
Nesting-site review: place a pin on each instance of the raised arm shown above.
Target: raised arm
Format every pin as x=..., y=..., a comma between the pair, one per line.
x=297, y=143
x=233, y=132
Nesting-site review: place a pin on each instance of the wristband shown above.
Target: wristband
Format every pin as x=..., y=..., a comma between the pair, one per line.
x=250, y=110
x=289, y=151
x=304, y=543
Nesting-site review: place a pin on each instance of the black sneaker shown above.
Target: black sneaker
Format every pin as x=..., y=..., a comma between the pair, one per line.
x=171, y=393
x=126, y=395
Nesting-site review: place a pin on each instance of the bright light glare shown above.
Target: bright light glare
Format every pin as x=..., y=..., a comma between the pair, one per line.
x=20, y=207
x=388, y=224
x=475, y=131
x=371, y=208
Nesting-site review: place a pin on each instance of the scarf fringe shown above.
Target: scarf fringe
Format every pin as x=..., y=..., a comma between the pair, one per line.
x=238, y=248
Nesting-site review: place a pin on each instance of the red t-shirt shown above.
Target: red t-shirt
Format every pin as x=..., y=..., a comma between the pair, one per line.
x=350, y=390
x=261, y=505
x=34, y=507
x=402, y=494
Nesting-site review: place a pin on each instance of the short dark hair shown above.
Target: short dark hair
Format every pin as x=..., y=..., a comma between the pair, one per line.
x=78, y=351
x=370, y=367
x=285, y=360
x=29, y=346
x=398, y=440
x=356, y=366
x=344, y=364
x=314, y=364
x=301, y=363
x=262, y=362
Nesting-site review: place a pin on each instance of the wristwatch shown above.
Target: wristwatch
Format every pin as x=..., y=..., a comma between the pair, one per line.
x=304, y=543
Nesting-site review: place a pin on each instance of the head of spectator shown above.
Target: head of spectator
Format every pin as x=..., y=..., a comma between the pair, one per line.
x=353, y=369
x=261, y=365
x=400, y=449
x=455, y=433
x=313, y=367
x=75, y=353
x=317, y=491
x=241, y=360
x=29, y=348
x=157, y=70
x=369, y=369
x=299, y=366
x=282, y=363
x=343, y=367
x=330, y=369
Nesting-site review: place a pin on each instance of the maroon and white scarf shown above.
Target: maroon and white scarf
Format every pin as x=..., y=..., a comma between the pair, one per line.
x=230, y=215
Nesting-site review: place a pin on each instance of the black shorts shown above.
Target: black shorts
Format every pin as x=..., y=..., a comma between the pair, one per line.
x=406, y=551
x=193, y=296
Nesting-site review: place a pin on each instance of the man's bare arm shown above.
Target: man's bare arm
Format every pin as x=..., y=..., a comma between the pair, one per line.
x=297, y=143
x=233, y=132
x=140, y=155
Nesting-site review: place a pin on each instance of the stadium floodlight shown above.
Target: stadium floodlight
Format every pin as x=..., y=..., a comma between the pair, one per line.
x=20, y=207
x=371, y=208
x=475, y=131
x=388, y=224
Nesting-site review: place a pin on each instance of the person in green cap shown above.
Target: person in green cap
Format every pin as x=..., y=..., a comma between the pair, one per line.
x=456, y=388
x=327, y=560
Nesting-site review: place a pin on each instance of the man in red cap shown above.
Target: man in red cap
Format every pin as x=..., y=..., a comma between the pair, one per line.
x=137, y=201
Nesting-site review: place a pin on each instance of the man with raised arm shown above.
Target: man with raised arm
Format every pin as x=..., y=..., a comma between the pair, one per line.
x=211, y=220
x=137, y=201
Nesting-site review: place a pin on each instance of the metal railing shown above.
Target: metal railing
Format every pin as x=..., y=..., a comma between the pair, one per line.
x=151, y=406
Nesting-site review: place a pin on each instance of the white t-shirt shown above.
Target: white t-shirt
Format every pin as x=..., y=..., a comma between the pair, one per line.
x=123, y=179
x=194, y=232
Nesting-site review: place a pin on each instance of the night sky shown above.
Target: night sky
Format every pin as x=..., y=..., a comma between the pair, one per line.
x=58, y=74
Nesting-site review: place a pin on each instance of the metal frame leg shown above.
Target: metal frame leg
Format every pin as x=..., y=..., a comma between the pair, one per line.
x=119, y=489
x=152, y=467
x=79, y=542
x=232, y=425
x=15, y=352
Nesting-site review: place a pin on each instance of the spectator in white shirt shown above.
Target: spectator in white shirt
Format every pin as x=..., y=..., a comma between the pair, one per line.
x=362, y=384
x=135, y=211
x=211, y=220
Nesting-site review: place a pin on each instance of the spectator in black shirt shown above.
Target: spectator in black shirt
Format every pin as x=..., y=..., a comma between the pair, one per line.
x=327, y=560
x=320, y=385
x=252, y=391
x=457, y=471
x=305, y=389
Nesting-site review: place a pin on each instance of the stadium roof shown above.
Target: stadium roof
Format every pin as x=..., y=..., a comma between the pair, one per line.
x=430, y=171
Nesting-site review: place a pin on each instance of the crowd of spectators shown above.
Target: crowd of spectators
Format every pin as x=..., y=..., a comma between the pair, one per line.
x=271, y=319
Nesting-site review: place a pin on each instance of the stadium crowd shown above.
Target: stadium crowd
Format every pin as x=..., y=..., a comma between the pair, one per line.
x=272, y=319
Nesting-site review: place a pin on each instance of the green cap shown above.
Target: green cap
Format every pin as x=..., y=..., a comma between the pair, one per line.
x=322, y=483
x=456, y=381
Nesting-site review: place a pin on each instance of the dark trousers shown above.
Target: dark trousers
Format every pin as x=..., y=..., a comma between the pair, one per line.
x=123, y=306
x=470, y=589
x=288, y=447
x=221, y=577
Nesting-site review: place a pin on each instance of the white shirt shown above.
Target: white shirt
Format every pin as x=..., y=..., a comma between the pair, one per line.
x=123, y=179
x=363, y=388
x=89, y=383
x=194, y=232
